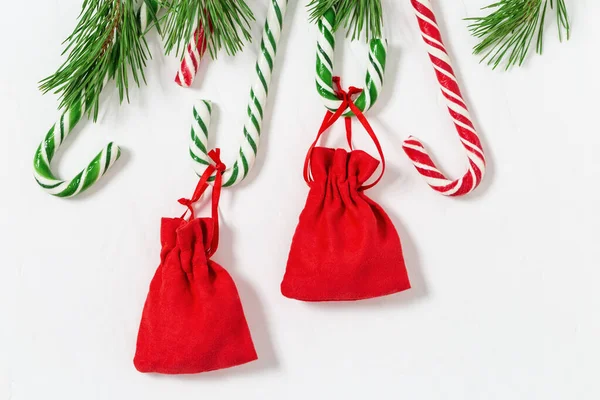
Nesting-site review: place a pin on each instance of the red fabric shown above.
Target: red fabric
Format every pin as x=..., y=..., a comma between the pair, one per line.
x=345, y=246
x=193, y=319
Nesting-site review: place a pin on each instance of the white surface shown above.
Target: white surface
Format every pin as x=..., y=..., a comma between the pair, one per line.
x=505, y=300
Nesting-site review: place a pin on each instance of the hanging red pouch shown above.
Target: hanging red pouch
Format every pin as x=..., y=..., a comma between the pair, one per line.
x=345, y=246
x=193, y=319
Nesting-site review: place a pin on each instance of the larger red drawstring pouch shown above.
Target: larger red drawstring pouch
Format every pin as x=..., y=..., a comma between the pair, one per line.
x=345, y=246
x=193, y=319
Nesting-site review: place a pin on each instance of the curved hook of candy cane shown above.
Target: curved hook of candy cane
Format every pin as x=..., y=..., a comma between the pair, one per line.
x=202, y=114
x=50, y=145
x=256, y=105
x=457, y=107
x=56, y=136
x=325, y=57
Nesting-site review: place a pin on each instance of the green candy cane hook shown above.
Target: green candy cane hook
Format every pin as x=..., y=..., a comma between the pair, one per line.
x=324, y=76
x=146, y=14
x=50, y=145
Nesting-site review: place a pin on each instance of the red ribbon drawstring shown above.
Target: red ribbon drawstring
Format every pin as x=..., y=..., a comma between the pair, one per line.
x=219, y=167
x=331, y=118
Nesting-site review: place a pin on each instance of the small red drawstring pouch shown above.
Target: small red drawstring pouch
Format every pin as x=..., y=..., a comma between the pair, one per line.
x=193, y=319
x=345, y=246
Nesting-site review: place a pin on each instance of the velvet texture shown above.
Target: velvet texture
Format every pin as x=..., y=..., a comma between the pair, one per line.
x=345, y=246
x=193, y=319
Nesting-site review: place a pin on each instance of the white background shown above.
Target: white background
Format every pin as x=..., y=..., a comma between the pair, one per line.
x=505, y=299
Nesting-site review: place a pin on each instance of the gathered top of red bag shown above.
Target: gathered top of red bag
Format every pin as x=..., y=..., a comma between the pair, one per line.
x=355, y=167
x=345, y=246
x=193, y=319
x=186, y=239
x=201, y=228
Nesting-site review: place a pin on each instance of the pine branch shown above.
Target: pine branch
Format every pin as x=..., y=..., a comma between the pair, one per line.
x=106, y=44
x=228, y=23
x=354, y=15
x=507, y=32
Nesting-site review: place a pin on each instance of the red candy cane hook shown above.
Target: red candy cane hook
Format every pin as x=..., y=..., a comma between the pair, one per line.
x=413, y=148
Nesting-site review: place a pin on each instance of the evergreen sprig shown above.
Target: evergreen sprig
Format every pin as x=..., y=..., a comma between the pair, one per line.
x=106, y=44
x=507, y=32
x=354, y=15
x=226, y=24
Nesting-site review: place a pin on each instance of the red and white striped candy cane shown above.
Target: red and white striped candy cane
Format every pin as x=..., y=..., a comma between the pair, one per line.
x=191, y=59
x=413, y=148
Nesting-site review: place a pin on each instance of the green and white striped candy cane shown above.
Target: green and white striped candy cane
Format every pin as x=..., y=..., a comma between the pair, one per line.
x=325, y=57
x=48, y=148
x=63, y=127
x=256, y=106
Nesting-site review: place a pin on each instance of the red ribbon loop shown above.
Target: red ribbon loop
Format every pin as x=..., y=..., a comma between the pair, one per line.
x=219, y=167
x=331, y=118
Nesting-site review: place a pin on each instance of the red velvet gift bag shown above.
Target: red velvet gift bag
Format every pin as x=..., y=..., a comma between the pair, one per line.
x=345, y=246
x=193, y=320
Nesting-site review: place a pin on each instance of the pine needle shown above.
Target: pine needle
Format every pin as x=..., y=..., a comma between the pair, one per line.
x=507, y=32
x=228, y=22
x=354, y=15
x=106, y=44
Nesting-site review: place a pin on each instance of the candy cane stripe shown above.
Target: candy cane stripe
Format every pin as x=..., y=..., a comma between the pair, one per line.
x=457, y=109
x=424, y=167
x=376, y=67
x=451, y=96
x=250, y=141
x=432, y=41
